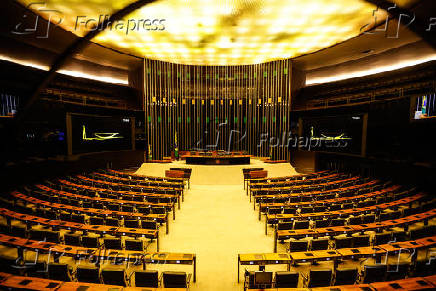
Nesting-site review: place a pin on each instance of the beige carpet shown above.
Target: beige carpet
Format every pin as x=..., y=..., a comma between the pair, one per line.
x=216, y=222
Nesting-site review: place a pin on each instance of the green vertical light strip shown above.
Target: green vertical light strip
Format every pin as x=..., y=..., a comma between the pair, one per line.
x=207, y=119
x=245, y=119
x=188, y=119
x=179, y=120
x=159, y=119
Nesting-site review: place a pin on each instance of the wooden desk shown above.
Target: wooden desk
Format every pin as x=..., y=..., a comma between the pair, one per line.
x=59, y=250
x=416, y=283
x=30, y=283
x=362, y=252
x=431, y=280
x=356, y=287
x=263, y=259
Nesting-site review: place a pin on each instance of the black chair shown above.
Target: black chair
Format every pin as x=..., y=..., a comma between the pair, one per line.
x=263, y=279
x=343, y=242
x=301, y=224
x=96, y=220
x=399, y=235
x=346, y=276
x=355, y=220
x=360, y=241
x=72, y=239
x=131, y=223
x=113, y=277
x=87, y=274
x=368, y=218
x=113, y=207
x=90, y=242
x=338, y=222
x=35, y=269
x=290, y=210
x=298, y=245
x=112, y=243
x=306, y=209
x=18, y=231
x=148, y=278
x=274, y=210
x=347, y=206
x=285, y=225
x=425, y=268
x=149, y=224
x=397, y=271
x=126, y=208
x=78, y=218
x=319, y=278
x=10, y=265
x=144, y=210
x=60, y=272
x=112, y=221
x=321, y=223
x=374, y=273
x=319, y=244
x=287, y=279
x=159, y=210
x=382, y=238
x=175, y=279
x=134, y=245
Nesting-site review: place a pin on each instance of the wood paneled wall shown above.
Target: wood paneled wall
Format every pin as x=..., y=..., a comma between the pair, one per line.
x=231, y=108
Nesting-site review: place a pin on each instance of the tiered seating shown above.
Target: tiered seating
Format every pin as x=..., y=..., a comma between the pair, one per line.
x=378, y=231
x=92, y=228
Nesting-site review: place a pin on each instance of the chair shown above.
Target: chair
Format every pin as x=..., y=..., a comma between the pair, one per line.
x=306, y=209
x=368, y=218
x=301, y=224
x=425, y=268
x=346, y=276
x=263, y=279
x=114, y=277
x=112, y=221
x=72, y=239
x=113, y=207
x=35, y=268
x=360, y=241
x=78, y=218
x=112, y=243
x=159, y=210
x=290, y=210
x=285, y=225
x=397, y=271
x=126, y=208
x=60, y=272
x=382, y=238
x=347, y=206
x=90, y=242
x=287, y=279
x=148, y=278
x=87, y=274
x=10, y=265
x=274, y=210
x=93, y=220
x=175, y=279
x=342, y=242
x=319, y=244
x=374, y=273
x=399, y=235
x=298, y=245
x=144, y=210
x=356, y=220
x=321, y=223
x=338, y=222
x=149, y=224
x=131, y=223
x=319, y=278
x=134, y=245
x=18, y=231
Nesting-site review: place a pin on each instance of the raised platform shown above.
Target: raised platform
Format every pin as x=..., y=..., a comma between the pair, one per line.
x=218, y=160
x=217, y=174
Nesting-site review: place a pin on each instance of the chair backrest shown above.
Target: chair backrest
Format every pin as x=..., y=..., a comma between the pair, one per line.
x=58, y=272
x=287, y=279
x=263, y=279
x=113, y=277
x=346, y=276
x=382, y=238
x=112, y=221
x=174, y=279
x=298, y=245
x=148, y=278
x=356, y=220
x=301, y=224
x=374, y=273
x=90, y=241
x=149, y=224
x=131, y=223
x=321, y=223
x=158, y=210
x=112, y=243
x=338, y=222
x=319, y=244
x=134, y=245
x=360, y=241
x=87, y=274
x=343, y=242
x=94, y=220
x=144, y=210
x=320, y=278
x=285, y=225
x=72, y=239
x=397, y=271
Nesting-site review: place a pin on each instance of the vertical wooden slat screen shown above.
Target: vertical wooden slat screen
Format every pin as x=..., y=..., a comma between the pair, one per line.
x=218, y=107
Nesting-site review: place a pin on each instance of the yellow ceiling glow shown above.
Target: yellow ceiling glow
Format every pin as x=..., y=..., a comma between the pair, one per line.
x=218, y=32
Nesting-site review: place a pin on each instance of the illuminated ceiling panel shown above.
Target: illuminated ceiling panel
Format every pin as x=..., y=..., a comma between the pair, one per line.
x=217, y=32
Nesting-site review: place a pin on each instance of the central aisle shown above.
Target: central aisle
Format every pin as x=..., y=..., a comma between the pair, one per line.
x=216, y=222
